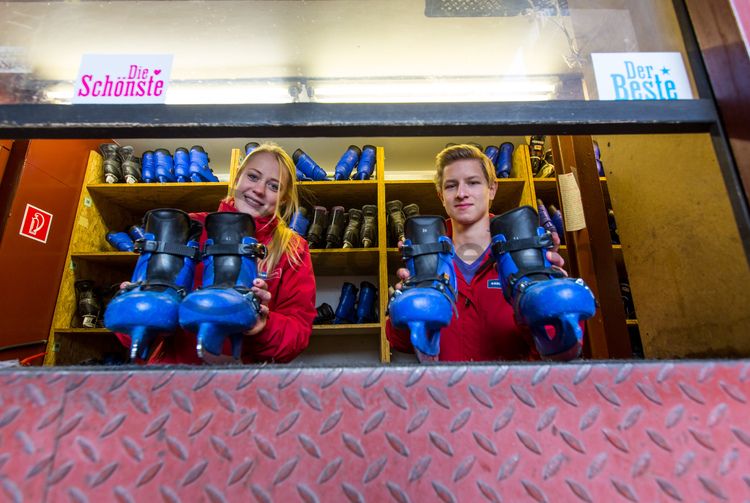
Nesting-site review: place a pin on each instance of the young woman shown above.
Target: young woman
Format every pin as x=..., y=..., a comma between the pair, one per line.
x=265, y=188
x=484, y=328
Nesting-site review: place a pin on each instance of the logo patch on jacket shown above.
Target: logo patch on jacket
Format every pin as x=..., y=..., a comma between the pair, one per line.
x=276, y=274
x=494, y=283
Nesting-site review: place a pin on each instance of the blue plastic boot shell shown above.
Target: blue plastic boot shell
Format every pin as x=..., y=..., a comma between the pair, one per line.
x=182, y=165
x=558, y=303
x=424, y=311
x=215, y=313
x=148, y=167
x=143, y=314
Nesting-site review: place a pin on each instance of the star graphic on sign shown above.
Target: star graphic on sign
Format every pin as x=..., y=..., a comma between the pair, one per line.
x=664, y=70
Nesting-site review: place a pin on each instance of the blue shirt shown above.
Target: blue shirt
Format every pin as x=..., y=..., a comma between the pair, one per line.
x=469, y=270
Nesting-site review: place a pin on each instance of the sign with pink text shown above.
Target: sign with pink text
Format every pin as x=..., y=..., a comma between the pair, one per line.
x=123, y=78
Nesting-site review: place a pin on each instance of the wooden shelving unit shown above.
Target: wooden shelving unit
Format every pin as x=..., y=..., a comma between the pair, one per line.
x=114, y=207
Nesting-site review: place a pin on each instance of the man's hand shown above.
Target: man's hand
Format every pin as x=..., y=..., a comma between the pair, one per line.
x=555, y=258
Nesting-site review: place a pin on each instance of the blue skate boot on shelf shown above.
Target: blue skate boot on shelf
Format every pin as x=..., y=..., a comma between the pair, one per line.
x=224, y=306
x=131, y=165
x=111, y=163
x=199, y=169
x=250, y=146
x=426, y=302
x=136, y=232
x=366, y=163
x=301, y=177
x=307, y=166
x=346, y=164
x=551, y=305
x=182, y=165
x=492, y=152
x=346, y=310
x=504, y=160
x=366, y=303
x=148, y=167
x=299, y=222
x=120, y=241
x=163, y=275
x=164, y=166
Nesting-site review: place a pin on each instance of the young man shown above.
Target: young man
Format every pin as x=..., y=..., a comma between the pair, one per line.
x=484, y=329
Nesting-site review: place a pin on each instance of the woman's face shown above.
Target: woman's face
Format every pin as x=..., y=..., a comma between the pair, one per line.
x=465, y=193
x=258, y=188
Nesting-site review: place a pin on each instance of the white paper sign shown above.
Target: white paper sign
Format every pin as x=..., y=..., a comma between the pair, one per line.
x=123, y=78
x=641, y=76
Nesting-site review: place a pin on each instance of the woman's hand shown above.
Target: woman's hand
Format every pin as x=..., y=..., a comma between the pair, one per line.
x=260, y=289
x=402, y=273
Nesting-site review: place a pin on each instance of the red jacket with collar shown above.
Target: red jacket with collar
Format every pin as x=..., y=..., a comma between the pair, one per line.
x=484, y=330
x=292, y=308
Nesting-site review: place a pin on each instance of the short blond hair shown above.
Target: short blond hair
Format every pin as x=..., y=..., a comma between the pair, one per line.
x=458, y=152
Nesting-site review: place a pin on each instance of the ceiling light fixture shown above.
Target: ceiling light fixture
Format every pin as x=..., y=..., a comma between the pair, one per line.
x=447, y=90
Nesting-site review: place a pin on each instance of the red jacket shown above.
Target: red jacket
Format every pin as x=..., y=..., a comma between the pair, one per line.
x=484, y=329
x=292, y=308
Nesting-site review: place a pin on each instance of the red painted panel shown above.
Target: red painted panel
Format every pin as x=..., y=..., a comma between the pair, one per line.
x=51, y=180
x=595, y=432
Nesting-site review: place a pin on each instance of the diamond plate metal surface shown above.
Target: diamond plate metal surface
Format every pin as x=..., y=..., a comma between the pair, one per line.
x=639, y=432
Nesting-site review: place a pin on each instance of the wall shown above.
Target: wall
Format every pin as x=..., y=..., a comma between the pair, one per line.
x=688, y=271
x=48, y=175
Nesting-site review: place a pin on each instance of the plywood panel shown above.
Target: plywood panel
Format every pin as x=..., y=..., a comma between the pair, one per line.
x=680, y=243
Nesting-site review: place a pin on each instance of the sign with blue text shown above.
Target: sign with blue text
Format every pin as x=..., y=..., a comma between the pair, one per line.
x=123, y=78
x=641, y=76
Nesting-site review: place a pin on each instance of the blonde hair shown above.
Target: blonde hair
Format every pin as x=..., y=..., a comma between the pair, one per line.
x=457, y=152
x=284, y=239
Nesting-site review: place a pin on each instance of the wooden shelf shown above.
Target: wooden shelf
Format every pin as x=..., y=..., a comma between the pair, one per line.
x=141, y=197
x=355, y=261
x=105, y=207
x=546, y=190
x=72, y=346
x=108, y=258
x=83, y=331
x=348, y=329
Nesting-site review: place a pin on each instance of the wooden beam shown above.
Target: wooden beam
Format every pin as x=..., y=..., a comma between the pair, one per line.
x=590, y=250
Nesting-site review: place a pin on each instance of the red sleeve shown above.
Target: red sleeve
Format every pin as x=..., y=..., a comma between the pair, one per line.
x=398, y=338
x=292, y=311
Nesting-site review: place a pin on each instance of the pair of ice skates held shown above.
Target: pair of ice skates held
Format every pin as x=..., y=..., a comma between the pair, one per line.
x=160, y=297
x=543, y=299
